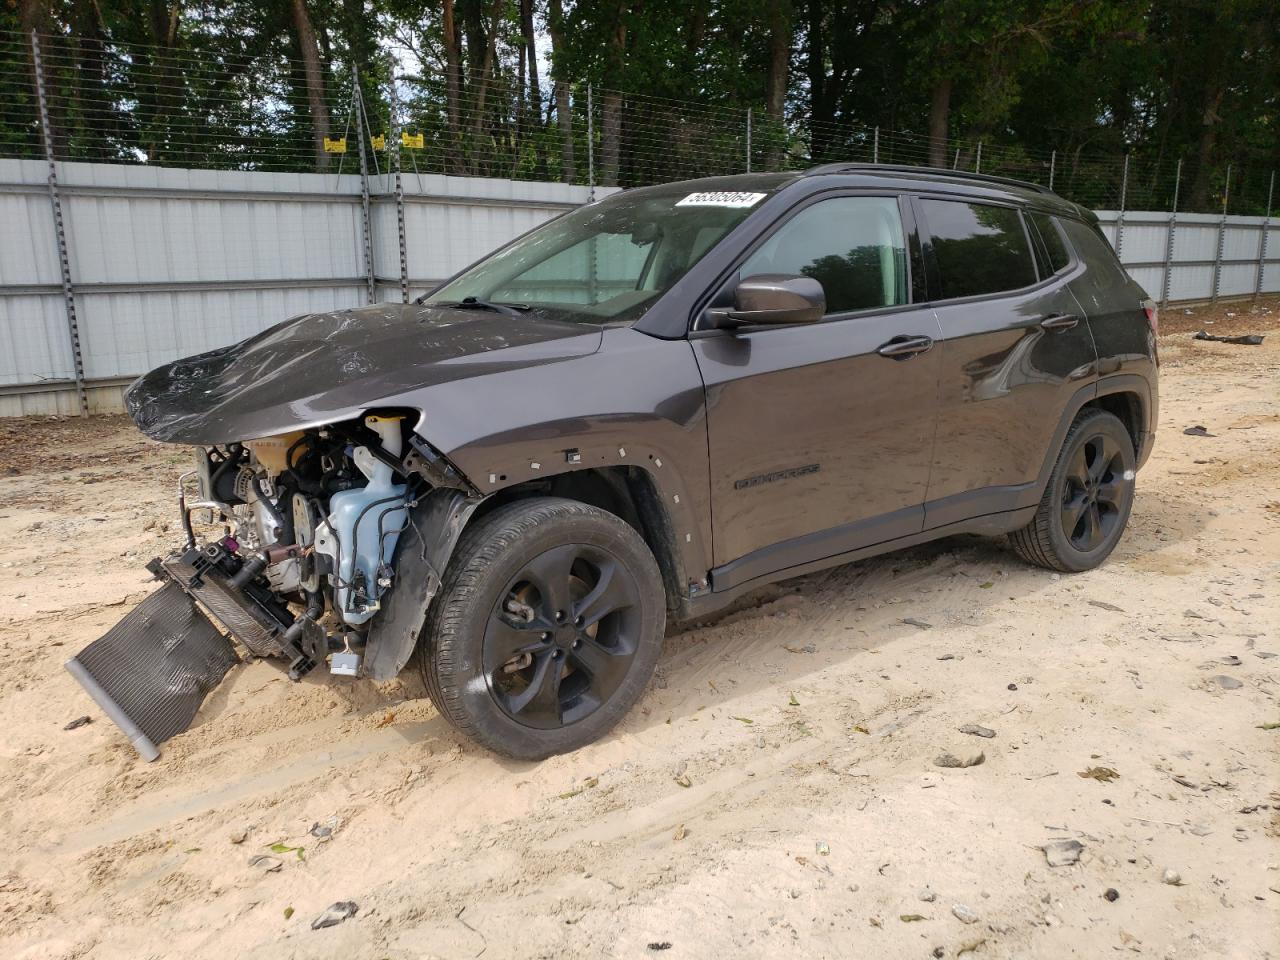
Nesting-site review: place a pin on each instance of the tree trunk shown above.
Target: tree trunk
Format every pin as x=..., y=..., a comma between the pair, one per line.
x=939, y=122
x=166, y=93
x=309, y=50
x=1199, y=195
x=820, y=113
x=780, y=35
x=452, y=86
x=34, y=15
x=483, y=80
x=611, y=103
x=564, y=114
x=526, y=31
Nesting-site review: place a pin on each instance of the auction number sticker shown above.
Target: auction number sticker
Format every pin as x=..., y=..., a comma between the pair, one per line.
x=721, y=198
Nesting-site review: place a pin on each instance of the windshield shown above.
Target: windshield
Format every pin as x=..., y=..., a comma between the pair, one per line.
x=606, y=262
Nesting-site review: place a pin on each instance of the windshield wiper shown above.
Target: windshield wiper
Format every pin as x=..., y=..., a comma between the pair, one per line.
x=472, y=303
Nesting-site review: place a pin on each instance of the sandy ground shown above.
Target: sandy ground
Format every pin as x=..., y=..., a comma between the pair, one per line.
x=775, y=793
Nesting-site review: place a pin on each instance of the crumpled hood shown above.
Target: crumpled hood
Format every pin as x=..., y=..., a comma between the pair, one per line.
x=323, y=367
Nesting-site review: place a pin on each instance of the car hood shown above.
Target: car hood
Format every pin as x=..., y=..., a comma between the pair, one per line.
x=324, y=367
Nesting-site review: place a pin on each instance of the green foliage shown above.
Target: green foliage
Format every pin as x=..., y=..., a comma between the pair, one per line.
x=1075, y=84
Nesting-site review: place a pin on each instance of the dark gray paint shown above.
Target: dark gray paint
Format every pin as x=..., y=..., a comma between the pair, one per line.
x=506, y=398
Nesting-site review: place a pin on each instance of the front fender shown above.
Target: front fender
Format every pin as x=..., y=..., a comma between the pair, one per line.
x=421, y=555
x=637, y=402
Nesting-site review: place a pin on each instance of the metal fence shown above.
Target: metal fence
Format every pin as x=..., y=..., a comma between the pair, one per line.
x=110, y=267
x=150, y=264
x=135, y=104
x=1196, y=256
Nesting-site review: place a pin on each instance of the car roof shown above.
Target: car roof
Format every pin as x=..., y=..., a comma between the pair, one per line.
x=898, y=176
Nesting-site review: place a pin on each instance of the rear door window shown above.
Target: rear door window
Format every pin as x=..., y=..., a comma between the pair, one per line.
x=980, y=248
x=853, y=246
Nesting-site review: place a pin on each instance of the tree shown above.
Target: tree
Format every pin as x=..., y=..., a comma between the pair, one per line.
x=308, y=48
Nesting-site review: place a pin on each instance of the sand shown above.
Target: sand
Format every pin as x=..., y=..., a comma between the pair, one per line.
x=806, y=723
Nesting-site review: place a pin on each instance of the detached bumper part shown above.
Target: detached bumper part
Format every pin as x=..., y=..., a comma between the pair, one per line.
x=151, y=671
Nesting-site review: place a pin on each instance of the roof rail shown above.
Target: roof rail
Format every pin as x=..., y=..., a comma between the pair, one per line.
x=933, y=171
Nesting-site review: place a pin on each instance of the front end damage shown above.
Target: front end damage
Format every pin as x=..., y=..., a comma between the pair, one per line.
x=319, y=547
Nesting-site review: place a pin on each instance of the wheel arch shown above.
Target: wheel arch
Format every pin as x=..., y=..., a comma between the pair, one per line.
x=627, y=491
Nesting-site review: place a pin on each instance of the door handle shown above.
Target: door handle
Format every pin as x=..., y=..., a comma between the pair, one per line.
x=1063, y=321
x=905, y=346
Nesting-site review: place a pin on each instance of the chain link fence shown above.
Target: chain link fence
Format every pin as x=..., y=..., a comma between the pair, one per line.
x=108, y=102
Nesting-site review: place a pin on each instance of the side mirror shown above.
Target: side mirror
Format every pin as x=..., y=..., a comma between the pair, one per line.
x=772, y=298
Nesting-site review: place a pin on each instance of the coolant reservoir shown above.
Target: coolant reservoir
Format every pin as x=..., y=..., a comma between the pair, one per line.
x=367, y=523
x=273, y=452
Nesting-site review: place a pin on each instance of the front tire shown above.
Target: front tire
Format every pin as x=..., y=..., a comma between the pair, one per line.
x=546, y=630
x=1087, y=502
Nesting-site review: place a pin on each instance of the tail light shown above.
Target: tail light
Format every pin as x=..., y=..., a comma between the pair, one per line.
x=1153, y=316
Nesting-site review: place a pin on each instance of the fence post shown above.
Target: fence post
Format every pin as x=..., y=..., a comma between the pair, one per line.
x=591, y=146
x=357, y=102
x=1053, y=162
x=1168, y=244
x=748, y=139
x=977, y=167
x=59, y=230
x=1262, y=241
x=1222, y=238
x=395, y=160
x=1124, y=193
x=875, y=147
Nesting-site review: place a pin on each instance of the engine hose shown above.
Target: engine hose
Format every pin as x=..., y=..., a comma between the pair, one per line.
x=248, y=570
x=315, y=608
x=272, y=510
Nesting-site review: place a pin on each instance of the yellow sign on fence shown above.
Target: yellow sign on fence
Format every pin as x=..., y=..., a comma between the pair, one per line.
x=335, y=146
x=379, y=142
x=413, y=141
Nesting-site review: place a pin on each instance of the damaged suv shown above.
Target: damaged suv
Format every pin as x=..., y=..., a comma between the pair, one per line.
x=635, y=413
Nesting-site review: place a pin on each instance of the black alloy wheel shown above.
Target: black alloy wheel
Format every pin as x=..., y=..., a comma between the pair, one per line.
x=546, y=629
x=1086, y=503
x=562, y=638
x=1096, y=495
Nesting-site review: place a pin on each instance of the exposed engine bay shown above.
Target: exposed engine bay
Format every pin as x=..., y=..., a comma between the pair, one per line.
x=291, y=547
x=310, y=524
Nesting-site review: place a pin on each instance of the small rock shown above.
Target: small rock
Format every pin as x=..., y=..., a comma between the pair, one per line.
x=1200, y=830
x=1231, y=660
x=1013, y=686
x=964, y=914
x=977, y=730
x=336, y=913
x=1111, y=895
x=78, y=722
x=968, y=759
x=913, y=622
x=659, y=945
x=1172, y=877
x=1197, y=431
x=927, y=896
x=1063, y=853
x=1225, y=682
x=320, y=832
x=238, y=836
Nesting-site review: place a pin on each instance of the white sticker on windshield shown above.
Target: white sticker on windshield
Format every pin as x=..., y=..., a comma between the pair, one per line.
x=722, y=198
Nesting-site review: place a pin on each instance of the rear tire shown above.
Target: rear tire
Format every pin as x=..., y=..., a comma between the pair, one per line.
x=1087, y=501
x=546, y=630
